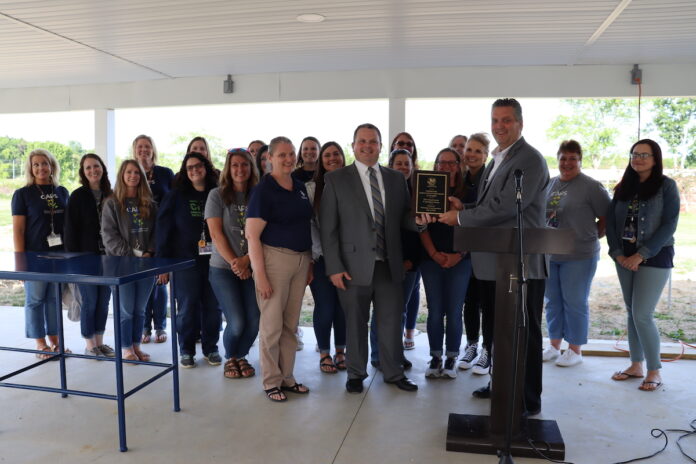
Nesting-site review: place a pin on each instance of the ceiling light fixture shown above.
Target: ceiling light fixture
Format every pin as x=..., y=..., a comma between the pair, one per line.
x=310, y=18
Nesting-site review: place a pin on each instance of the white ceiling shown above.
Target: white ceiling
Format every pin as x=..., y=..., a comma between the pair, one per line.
x=73, y=42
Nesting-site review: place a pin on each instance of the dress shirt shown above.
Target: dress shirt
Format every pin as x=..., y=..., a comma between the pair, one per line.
x=365, y=179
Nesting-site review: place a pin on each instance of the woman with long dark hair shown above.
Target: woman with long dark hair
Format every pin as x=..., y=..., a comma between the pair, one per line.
x=641, y=222
x=183, y=233
x=230, y=270
x=445, y=278
x=160, y=179
x=38, y=211
x=307, y=159
x=328, y=313
x=83, y=234
x=128, y=229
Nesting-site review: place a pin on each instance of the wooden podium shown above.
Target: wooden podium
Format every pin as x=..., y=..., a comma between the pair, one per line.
x=486, y=434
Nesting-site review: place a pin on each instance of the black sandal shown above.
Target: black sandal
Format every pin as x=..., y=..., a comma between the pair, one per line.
x=340, y=365
x=297, y=388
x=275, y=395
x=326, y=365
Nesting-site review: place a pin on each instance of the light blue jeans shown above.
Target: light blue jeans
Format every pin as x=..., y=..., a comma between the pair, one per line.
x=40, y=312
x=641, y=292
x=133, y=298
x=445, y=290
x=567, y=291
x=94, y=310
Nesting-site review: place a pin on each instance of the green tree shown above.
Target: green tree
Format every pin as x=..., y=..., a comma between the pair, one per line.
x=595, y=123
x=675, y=121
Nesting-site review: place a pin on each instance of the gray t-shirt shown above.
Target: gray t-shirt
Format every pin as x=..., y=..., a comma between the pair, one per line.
x=576, y=205
x=233, y=220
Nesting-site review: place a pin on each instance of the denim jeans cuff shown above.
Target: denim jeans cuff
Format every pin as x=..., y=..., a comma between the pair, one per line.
x=452, y=354
x=436, y=353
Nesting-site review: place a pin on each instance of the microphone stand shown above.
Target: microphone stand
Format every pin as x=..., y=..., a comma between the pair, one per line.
x=519, y=323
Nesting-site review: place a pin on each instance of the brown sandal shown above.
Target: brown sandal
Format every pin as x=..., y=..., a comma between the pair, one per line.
x=47, y=350
x=160, y=336
x=246, y=369
x=147, y=336
x=231, y=369
x=326, y=365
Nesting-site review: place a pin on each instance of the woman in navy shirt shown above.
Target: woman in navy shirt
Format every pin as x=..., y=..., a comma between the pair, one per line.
x=83, y=234
x=278, y=231
x=307, y=159
x=38, y=211
x=183, y=233
x=160, y=179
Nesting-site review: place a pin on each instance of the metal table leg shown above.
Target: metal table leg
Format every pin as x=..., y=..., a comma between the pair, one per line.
x=121, y=399
x=175, y=360
x=61, y=344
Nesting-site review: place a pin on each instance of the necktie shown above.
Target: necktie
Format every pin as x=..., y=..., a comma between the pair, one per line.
x=378, y=212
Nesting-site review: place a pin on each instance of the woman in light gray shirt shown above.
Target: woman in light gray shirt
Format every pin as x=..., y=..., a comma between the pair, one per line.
x=573, y=201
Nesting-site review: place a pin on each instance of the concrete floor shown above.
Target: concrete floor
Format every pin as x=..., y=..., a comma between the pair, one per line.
x=231, y=421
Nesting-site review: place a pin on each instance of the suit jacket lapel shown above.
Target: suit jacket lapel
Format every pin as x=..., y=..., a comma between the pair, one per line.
x=357, y=185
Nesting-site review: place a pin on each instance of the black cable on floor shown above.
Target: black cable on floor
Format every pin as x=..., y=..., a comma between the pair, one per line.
x=654, y=432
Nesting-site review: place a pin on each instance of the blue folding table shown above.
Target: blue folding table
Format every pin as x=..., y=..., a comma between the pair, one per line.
x=81, y=268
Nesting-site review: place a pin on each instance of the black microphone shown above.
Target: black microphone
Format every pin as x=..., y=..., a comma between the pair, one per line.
x=518, y=183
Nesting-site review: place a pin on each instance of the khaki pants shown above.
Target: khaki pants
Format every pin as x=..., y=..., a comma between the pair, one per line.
x=287, y=273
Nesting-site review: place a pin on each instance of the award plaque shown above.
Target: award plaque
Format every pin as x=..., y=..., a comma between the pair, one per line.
x=431, y=192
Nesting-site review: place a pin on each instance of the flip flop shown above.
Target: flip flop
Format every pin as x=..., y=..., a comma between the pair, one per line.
x=649, y=386
x=297, y=388
x=409, y=344
x=160, y=336
x=620, y=376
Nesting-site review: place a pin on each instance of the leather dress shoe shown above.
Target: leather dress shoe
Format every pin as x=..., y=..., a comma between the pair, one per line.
x=376, y=365
x=404, y=384
x=483, y=392
x=534, y=412
x=407, y=364
x=354, y=386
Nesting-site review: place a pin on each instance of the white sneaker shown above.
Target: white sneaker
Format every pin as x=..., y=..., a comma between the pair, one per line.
x=434, y=369
x=467, y=361
x=298, y=335
x=449, y=369
x=569, y=358
x=483, y=365
x=550, y=354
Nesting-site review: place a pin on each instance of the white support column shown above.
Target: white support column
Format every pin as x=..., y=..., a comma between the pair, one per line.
x=104, y=139
x=397, y=118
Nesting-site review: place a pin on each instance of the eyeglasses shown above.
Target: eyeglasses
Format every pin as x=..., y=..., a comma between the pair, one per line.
x=448, y=163
x=404, y=143
x=192, y=167
x=641, y=155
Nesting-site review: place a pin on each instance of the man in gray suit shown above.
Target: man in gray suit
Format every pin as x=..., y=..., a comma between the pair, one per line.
x=495, y=207
x=363, y=208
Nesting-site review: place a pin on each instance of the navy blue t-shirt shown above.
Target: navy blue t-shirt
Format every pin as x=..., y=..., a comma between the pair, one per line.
x=287, y=214
x=36, y=202
x=180, y=224
x=160, y=182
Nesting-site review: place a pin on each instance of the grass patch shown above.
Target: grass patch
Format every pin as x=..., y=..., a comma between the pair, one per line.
x=686, y=230
x=663, y=316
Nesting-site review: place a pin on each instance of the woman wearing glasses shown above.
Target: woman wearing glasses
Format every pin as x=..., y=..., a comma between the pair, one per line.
x=183, y=233
x=404, y=141
x=230, y=270
x=578, y=202
x=641, y=222
x=38, y=211
x=445, y=277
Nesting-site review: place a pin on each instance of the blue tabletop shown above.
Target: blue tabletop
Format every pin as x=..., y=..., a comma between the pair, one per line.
x=84, y=267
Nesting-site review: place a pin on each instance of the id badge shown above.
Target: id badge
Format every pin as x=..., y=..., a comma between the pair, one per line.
x=137, y=253
x=629, y=234
x=54, y=240
x=205, y=248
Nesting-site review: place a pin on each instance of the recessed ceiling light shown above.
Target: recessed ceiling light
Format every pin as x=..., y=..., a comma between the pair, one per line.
x=310, y=18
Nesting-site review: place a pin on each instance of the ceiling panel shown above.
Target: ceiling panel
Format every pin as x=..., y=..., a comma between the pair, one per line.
x=81, y=41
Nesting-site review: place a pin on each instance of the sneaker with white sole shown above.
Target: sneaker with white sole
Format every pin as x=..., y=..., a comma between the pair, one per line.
x=483, y=365
x=550, y=354
x=214, y=358
x=449, y=370
x=434, y=368
x=569, y=358
x=187, y=361
x=107, y=351
x=467, y=361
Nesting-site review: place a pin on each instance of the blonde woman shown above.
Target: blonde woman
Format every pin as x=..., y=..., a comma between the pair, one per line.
x=38, y=212
x=128, y=229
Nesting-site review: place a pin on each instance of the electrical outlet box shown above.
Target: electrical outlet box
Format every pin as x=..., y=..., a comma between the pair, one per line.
x=636, y=75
